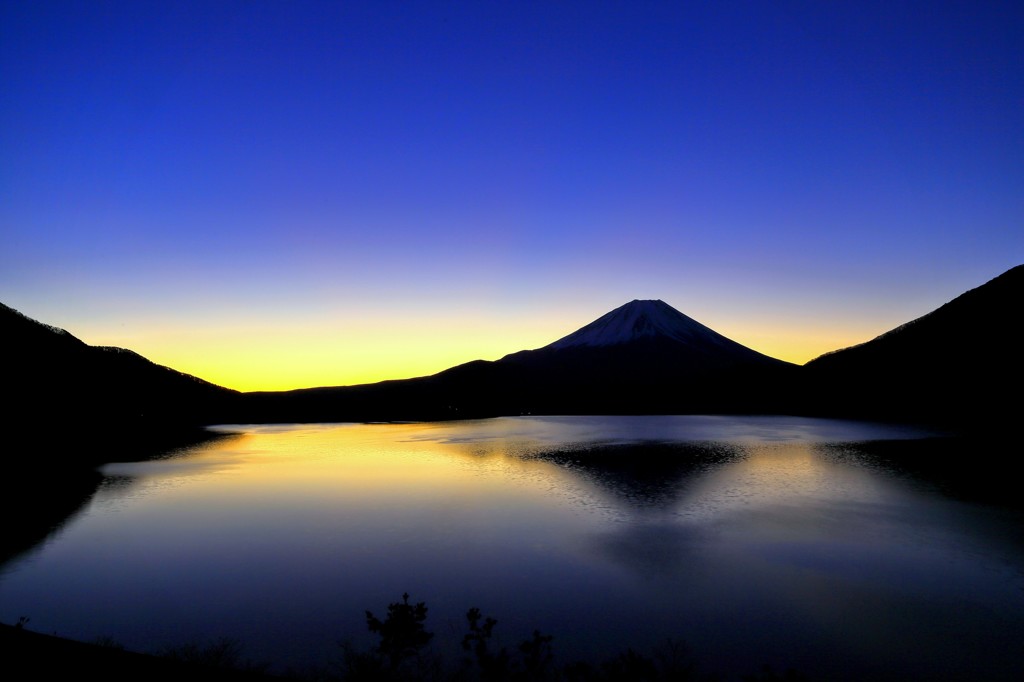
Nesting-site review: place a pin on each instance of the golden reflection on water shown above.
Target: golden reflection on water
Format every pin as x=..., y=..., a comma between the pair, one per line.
x=347, y=465
x=782, y=473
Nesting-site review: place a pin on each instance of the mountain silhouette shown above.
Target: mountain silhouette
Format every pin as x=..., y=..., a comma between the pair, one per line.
x=643, y=357
x=648, y=335
x=650, y=320
x=59, y=385
x=960, y=364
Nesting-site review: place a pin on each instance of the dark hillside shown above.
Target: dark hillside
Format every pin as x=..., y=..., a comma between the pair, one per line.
x=60, y=387
x=961, y=364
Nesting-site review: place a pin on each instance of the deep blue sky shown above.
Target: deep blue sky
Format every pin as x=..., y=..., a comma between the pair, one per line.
x=285, y=194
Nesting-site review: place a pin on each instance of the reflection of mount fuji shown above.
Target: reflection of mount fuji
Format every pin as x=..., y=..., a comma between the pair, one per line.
x=643, y=476
x=959, y=363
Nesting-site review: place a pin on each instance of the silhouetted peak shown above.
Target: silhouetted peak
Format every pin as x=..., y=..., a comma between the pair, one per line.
x=636, y=320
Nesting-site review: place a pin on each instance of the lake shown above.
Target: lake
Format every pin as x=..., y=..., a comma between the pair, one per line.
x=754, y=540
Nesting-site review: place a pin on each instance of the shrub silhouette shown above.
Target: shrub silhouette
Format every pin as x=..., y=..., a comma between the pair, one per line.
x=221, y=653
x=402, y=635
x=224, y=653
x=534, y=660
x=492, y=665
x=537, y=656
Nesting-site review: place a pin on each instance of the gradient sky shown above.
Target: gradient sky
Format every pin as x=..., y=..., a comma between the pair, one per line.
x=276, y=195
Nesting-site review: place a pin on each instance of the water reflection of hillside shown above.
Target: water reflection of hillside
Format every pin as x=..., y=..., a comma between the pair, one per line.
x=40, y=499
x=965, y=468
x=37, y=503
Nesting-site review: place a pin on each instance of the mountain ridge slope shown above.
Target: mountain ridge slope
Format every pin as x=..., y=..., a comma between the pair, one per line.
x=961, y=362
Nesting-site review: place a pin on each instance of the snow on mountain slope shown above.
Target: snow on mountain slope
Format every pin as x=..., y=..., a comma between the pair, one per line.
x=642, y=319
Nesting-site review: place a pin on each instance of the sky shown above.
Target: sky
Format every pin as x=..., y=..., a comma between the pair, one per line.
x=277, y=195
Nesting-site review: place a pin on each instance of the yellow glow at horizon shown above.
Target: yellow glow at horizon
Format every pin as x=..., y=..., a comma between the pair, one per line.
x=252, y=355
x=259, y=357
x=804, y=348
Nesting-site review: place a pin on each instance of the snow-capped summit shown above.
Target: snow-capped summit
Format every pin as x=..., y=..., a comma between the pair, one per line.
x=641, y=319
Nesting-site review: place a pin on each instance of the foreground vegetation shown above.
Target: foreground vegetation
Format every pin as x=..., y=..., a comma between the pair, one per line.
x=404, y=652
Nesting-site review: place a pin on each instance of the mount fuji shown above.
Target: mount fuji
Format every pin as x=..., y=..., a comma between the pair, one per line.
x=645, y=334
x=642, y=357
x=655, y=320
x=639, y=319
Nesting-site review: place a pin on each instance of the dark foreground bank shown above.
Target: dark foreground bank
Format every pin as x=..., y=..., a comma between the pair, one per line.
x=39, y=656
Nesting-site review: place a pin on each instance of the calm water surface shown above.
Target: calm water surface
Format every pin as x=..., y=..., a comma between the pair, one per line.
x=754, y=540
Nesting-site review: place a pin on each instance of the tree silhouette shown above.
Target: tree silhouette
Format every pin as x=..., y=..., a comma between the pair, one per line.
x=402, y=635
x=493, y=665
